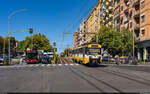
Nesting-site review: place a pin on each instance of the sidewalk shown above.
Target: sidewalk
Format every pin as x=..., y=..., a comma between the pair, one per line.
x=139, y=64
x=144, y=63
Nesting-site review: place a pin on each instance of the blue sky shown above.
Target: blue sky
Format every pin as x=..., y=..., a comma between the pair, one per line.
x=48, y=17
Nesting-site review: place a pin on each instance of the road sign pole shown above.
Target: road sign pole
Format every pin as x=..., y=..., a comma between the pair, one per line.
x=54, y=54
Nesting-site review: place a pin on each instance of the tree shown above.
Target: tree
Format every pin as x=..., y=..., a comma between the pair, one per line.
x=114, y=41
x=38, y=42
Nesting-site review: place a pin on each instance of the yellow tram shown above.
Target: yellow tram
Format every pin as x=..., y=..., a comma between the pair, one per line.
x=87, y=54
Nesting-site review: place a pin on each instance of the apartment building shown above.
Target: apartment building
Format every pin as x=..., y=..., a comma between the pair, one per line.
x=93, y=22
x=80, y=35
x=133, y=15
x=106, y=13
x=76, y=35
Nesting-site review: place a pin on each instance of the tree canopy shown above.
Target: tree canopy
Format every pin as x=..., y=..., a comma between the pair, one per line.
x=37, y=41
x=116, y=43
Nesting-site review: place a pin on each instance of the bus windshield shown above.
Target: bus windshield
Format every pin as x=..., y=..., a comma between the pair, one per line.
x=32, y=55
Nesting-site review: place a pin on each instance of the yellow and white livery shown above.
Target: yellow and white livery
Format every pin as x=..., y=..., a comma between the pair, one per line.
x=87, y=54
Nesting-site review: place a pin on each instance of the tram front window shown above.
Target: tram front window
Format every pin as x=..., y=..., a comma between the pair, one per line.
x=94, y=51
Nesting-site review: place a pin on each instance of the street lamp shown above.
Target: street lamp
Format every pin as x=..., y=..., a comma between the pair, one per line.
x=30, y=31
x=133, y=58
x=9, y=19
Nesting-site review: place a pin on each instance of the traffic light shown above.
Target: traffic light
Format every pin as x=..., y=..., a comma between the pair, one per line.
x=54, y=43
x=30, y=30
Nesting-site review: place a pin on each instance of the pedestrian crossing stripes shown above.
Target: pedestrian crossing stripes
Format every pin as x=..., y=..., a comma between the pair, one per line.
x=44, y=65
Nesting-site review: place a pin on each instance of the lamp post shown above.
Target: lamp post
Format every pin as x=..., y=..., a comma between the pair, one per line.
x=9, y=19
x=30, y=31
x=133, y=58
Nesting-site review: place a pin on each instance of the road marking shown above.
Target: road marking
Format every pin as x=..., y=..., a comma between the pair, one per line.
x=31, y=65
x=59, y=64
x=36, y=65
x=43, y=65
x=60, y=61
x=53, y=64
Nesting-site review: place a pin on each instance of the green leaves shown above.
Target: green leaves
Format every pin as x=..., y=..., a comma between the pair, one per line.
x=114, y=41
x=38, y=41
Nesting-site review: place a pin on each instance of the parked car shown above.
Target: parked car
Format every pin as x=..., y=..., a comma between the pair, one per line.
x=46, y=59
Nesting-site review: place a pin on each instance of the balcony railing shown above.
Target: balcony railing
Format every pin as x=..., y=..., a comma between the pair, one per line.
x=137, y=27
x=117, y=5
x=126, y=1
x=136, y=2
x=125, y=20
x=117, y=15
x=138, y=38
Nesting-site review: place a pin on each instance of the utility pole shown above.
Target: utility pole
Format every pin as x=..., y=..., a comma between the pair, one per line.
x=68, y=49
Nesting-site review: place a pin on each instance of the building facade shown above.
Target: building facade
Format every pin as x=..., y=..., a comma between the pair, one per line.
x=80, y=36
x=106, y=13
x=76, y=36
x=93, y=22
x=134, y=15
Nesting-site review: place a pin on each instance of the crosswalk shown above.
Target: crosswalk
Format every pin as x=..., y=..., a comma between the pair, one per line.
x=44, y=65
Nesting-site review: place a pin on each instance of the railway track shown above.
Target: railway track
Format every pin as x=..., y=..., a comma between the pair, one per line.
x=84, y=76
x=127, y=76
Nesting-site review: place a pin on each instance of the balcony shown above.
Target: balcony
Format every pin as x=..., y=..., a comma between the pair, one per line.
x=136, y=2
x=125, y=20
x=138, y=38
x=117, y=5
x=137, y=27
x=126, y=1
x=126, y=9
x=136, y=14
x=117, y=15
x=117, y=25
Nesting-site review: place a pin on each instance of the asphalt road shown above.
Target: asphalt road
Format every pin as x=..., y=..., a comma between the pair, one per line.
x=71, y=77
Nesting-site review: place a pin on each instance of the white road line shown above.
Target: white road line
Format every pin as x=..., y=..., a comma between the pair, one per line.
x=59, y=64
x=31, y=65
x=53, y=64
x=60, y=61
x=36, y=65
x=43, y=65
x=76, y=64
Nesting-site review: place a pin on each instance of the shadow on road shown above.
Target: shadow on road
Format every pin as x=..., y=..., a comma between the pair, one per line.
x=93, y=65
